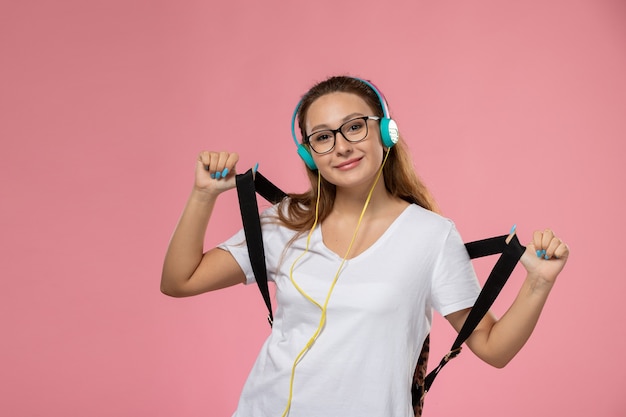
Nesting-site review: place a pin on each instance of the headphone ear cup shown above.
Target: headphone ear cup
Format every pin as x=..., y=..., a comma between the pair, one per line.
x=389, y=132
x=306, y=157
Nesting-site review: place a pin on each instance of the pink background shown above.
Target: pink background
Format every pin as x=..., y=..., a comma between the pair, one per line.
x=515, y=112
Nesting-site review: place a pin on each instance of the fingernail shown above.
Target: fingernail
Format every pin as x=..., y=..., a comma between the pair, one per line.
x=546, y=257
x=225, y=172
x=256, y=167
x=218, y=175
x=513, y=229
x=543, y=252
x=538, y=254
x=213, y=175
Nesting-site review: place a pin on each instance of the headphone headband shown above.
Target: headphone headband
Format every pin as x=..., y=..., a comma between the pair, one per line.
x=381, y=99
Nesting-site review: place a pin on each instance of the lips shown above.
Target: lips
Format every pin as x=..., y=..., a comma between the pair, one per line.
x=349, y=164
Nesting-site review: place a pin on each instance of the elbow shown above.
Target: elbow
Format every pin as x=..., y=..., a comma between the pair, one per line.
x=171, y=290
x=167, y=291
x=497, y=359
x=172, y=293
x=499, y=362
x=499, y=365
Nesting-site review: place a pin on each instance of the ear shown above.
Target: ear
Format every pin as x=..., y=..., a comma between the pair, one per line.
x=306, y=156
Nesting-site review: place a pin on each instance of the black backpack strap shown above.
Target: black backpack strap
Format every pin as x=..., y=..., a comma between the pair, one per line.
x=267, y=189
x=511, y=253
x=246, y=192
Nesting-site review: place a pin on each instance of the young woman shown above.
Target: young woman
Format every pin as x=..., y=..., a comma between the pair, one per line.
x=359, y=263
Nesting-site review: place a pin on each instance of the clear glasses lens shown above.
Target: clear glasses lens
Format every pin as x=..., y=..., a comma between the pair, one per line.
x=354, y=130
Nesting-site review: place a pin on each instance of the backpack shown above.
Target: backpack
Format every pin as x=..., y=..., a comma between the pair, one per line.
x=248, y=184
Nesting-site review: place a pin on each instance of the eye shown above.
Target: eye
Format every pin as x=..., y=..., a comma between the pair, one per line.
x=354, y=126
x=321, y=137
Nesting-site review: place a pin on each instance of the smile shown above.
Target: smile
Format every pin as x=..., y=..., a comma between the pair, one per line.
x=349, y=164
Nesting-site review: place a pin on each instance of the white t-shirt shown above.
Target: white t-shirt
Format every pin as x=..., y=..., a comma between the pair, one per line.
x=379, y=314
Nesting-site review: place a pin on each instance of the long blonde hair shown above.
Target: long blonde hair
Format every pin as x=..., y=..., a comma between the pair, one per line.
x=298, y=211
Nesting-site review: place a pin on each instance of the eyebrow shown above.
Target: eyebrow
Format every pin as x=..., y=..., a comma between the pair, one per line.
x=345, y=119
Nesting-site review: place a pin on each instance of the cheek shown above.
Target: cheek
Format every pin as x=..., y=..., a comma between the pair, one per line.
x=321, y=161
x=376, y=144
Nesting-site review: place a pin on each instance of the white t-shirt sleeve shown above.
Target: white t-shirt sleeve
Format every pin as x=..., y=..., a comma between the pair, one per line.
x=238, y=248
x=455, y=286
x=272, y=239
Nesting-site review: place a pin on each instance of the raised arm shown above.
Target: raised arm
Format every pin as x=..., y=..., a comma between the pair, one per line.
x=498, y=341
x=187, y=269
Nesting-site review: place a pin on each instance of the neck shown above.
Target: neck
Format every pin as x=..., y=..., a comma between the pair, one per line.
x=350, y=202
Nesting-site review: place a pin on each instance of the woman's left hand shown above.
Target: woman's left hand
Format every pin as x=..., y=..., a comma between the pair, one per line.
x=545, y=256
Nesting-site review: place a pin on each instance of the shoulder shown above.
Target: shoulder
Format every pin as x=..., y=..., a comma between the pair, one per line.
x=425, y=228
x=272, y=223
x=276, y=212
x=426, y=220
x=270, y=212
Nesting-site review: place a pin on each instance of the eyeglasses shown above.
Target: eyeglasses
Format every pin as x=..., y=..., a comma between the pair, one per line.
x=354, y=130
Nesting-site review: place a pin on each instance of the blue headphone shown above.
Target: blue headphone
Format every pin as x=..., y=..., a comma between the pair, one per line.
x=388, y=128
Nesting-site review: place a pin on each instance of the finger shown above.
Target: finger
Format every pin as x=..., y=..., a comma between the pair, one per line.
x=537, y=239
x=204, y=163
x=541, y=241
x=546, y=238
x=562, y=251
x=214, y=162
x=218, y=159
x=552, y=246
x=204, y=158
x=230, y=164
x=511, y=234
x=224, y=164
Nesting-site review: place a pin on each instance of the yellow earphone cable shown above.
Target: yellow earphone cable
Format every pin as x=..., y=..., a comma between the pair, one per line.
x=323, y=308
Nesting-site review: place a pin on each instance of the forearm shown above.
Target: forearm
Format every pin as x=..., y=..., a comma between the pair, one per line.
x=186, y=246
x=508, y=335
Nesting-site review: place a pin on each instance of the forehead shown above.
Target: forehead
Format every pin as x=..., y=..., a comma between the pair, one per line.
x=331, y=109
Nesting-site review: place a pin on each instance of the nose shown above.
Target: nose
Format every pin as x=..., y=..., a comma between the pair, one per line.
x=342, y=145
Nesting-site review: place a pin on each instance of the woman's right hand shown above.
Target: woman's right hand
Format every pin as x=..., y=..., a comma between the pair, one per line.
x=215, y=172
